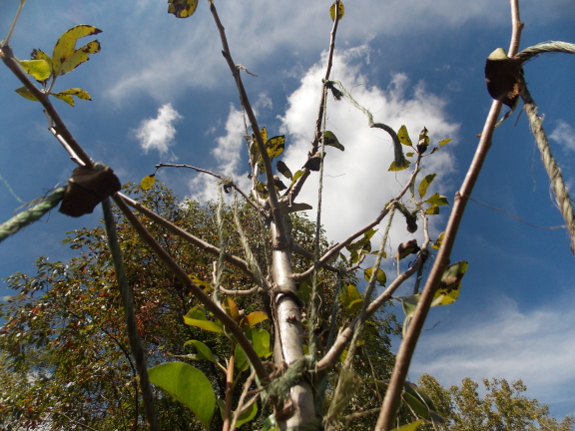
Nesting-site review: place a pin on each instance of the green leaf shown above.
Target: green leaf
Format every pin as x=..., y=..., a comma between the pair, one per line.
x=25, y=93
x=283, y=169
x=416, y=405
x=410, y=427
x=425, y=183
x=409, y=304
x=404, y=136
x=296, y=177
x=242, y=362
x=188, y=385
x=203, y=351
x=261, y=341
x=437, y=199
x=197, y=317
x=411, y=154
x=380, y=277
x=39, y=69
x=275, y=146
x=147, y=182
x=351, y=299
x=256, y=317
x=247, y=415
x=65, y=49
x=331, y=140
x=340, y=11
x=182, y=8
x=270, y=424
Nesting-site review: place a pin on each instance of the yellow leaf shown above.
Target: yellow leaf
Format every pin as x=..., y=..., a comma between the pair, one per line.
x=275, y=146
x=404, y=136
x=182, y=8
x=148, y=181
x=66, y=46
x=394, y=167
x=445, y=141
x=81, y=55
x=413, y=426
x=39, y=69
x=65, y=97
x=340, y=10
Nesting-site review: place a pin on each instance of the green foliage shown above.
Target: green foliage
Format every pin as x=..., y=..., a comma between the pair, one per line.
x=504, y=407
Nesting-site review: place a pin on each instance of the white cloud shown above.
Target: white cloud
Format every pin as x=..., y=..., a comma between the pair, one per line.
x=228, y=155
x=536, y=346
x=564, y=134
x=357, y=182
x=158, y=133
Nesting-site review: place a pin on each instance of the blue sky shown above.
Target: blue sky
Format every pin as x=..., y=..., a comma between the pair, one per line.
x=162, y=92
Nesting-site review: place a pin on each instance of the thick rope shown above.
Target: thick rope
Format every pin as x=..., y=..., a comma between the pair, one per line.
x=545, y=48
x=553, y=170
x=32, y=214
x=128, y=302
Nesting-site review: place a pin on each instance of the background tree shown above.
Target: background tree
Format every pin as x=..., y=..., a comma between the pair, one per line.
x=504, y=407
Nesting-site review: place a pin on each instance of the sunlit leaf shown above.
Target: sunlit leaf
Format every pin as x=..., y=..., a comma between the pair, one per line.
x=39, y=69
x=340, y=11
x=256, y=317
x=261, y=341
x=188, y=385
x=231, y=309
x=380, y=277
x=437, y=243
x=425, y=183
x=197, y=317
x=38, y=54
x=432, y=210
x=148, y=181
x=66, y=95
x=66, y=47
x=443, y=142
x=204, y=284
x=437, y=199
x=182, y=8
x=393, y=167
x=275, y=146
x=351, y=299
x=331, y=140
x=27, y=94
x=404, y=136
x=449, y=287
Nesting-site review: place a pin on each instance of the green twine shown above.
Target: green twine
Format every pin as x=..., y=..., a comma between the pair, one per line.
x=32, y=214
x=128, y=302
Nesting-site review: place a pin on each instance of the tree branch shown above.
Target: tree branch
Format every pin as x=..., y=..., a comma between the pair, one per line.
x=61, y=129
x=403, y=360
x=227, y=321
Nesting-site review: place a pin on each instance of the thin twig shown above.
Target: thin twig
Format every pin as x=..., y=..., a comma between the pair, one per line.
x=403, y=359
x=281, y=239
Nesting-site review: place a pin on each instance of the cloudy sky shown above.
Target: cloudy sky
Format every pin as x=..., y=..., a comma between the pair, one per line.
x=162, y=92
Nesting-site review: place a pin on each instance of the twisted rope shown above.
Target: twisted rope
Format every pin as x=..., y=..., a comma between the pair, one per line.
x=32, y=214
x=553, y=170
x=545, y=48
x=128, y=302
